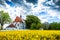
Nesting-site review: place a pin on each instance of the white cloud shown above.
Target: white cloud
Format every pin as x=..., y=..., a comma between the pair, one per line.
x=1, y=9
x=16, y=11
x=42, y=20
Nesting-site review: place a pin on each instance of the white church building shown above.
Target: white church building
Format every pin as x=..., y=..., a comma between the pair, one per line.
x=17, y=24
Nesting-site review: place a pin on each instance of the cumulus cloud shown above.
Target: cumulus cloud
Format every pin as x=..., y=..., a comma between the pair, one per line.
x=45, y=10
x=2, y=2
x=54, y=4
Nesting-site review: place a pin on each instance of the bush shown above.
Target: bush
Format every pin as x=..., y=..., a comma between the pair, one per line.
x=35, y=26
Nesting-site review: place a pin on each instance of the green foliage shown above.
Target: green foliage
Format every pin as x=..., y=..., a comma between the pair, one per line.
x=54, y=26
x=33, y=26
x=4, y=17
x=32, y=19
x=38, y=26
x=45, y=25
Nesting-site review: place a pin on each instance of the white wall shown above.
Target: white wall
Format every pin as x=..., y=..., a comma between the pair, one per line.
x=5, y=25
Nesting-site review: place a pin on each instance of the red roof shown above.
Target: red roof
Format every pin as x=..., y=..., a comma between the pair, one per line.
x=11, y=25
x=18, y=19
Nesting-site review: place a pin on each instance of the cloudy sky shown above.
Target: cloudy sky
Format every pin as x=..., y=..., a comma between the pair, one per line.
x=45, y=10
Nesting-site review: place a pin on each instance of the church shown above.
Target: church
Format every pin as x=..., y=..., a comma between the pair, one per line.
x=17, y=24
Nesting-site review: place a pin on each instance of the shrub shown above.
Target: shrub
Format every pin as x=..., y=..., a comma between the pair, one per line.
x=35, y=26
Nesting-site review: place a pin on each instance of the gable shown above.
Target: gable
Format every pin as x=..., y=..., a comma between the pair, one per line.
x=18, y=19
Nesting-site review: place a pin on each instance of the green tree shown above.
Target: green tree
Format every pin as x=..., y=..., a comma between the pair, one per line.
x=54, y=26
x=4, y=17
x=33, y=26
x=31, y=19
x=45, y=25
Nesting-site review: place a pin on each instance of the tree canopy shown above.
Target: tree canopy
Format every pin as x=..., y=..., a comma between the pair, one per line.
x=32, y=19
x=4, y=17
x=54, y=26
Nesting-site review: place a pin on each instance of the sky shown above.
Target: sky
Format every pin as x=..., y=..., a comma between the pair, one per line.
x=45, y=10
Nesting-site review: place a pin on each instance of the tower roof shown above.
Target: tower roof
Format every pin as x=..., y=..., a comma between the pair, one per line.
x=18, y=19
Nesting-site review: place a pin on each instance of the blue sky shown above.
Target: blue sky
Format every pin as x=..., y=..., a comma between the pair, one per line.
x=10, y=3
x=45, y=10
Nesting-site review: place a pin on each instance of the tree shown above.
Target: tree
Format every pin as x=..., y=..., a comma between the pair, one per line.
x=31, y=19
x=45, y=25
x=4, y=17
x=35, y=26
x=54, y=26
x=38, y=25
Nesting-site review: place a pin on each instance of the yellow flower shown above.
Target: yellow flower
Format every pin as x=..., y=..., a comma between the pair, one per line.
x=30, y=35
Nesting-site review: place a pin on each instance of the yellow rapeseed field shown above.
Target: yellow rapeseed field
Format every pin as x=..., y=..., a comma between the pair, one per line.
x=30, y=35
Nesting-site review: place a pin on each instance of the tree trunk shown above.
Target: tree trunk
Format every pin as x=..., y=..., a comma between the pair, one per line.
x=1, y=26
